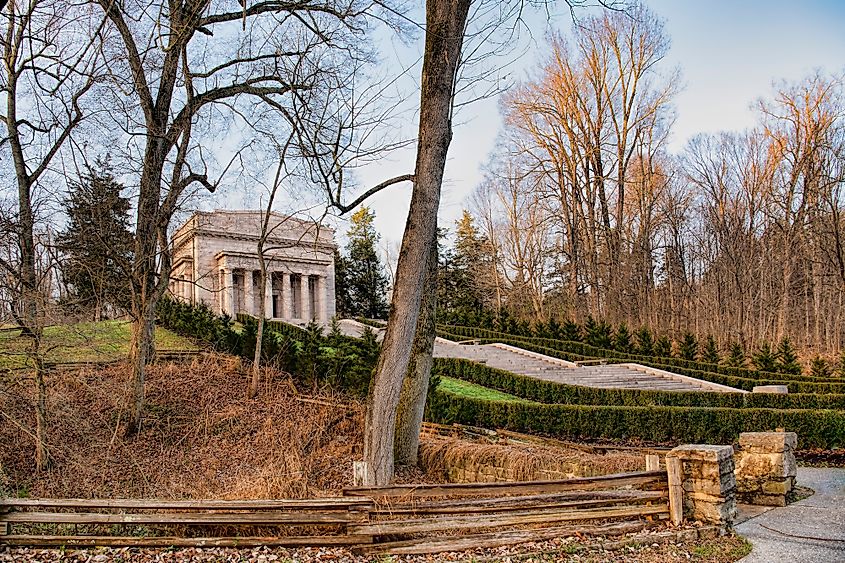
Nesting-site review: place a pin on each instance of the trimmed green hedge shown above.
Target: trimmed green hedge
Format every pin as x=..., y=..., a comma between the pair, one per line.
x=816, y=428
x=560, y=393
x=746, y=384
x=585, y=350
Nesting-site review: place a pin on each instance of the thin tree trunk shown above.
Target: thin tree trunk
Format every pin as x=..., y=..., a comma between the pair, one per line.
x=414, y=392
x=42, y=455
x=445, y=22
x=259, y=333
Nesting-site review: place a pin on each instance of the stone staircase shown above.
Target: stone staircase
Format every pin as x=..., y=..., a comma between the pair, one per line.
x=532, y=364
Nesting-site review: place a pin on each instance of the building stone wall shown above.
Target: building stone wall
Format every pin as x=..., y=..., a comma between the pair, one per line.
x=708, y=482
x=215, y=261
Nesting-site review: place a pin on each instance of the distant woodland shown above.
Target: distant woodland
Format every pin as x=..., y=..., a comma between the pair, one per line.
x=584, y=211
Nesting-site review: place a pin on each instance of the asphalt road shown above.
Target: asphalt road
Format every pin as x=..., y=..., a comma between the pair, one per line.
x=808, y=531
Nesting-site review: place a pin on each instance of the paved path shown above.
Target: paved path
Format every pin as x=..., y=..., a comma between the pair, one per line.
x=820, y=517
x=523, y=362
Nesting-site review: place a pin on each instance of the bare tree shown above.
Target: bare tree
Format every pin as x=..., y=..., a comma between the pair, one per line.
x=191, y=62
x=49, y=65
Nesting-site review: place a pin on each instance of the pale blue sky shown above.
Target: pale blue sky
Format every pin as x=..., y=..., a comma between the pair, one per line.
x=729, y=54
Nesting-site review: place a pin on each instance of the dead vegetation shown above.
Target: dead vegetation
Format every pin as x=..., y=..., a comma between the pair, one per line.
x=201, y=437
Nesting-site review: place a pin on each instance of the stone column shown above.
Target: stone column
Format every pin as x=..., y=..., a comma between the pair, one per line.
x=765, y=467
x=320, y=299
x=221, y=292
x=305, y=295
x=709, y=486
x=249, y=292
x=229, y=291
x=268, y=296
x=329, y=292
x=287, y=298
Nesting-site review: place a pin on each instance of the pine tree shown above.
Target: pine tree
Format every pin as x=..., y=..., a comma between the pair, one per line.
x=97, y=241
x=787, y=359
x=571, y=331
x=645, y=342
x=598, y=334
x=764, y=359
x=736, y=357
x=819, y=367
x=710, y=354
x=663, y=347
x=554, y=328
x=688, y=347
x=365, y=275
x=343, y=300
x=840, y=369
x=622, y=339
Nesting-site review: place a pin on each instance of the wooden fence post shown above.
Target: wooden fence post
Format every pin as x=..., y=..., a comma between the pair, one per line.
x=676, y=491
x=652, y=462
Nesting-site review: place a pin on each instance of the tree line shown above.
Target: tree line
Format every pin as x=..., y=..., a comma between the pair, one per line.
x=583, y=211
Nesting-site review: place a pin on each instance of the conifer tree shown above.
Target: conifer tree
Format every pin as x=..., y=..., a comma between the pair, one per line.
x=840, y=369
x=819, y=367
x=787, y=359
x=343, y=301
x=663, y=347
x=365, y=276
x=571, y=331
x=688, y=347
x=554, y=328
x=736, y=356
x=710, y=354
x=764, y=359
x=645, y=341
x=97, y=241
x=622, y=339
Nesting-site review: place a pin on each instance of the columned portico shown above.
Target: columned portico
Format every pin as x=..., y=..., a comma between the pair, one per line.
x=215, y=261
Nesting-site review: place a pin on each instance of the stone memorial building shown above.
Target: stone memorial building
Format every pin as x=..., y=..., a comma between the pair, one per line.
x=215, y=261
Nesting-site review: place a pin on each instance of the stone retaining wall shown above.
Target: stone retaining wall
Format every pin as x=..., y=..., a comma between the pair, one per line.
x=707, y=479
x=462, y=461
x=765, y=467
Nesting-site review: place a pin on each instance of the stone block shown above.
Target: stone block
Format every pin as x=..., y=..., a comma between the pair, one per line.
x=780, y=487
x=702, y=452
x=721, y=513
x=775, y=389
x=714, y=487
x=768, y=442
x=752, y=465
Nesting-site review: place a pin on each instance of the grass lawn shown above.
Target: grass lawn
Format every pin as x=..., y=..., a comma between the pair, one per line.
x=84, y=342
x=475, y=391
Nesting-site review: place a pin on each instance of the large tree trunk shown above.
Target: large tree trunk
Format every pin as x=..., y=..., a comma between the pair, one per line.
x=445, y=21
x=412, y=398
x=141, y=352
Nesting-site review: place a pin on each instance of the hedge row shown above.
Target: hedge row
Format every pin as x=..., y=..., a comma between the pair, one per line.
x=692, y=425
x=746, y=384
x=586, y=350
x=552, y=392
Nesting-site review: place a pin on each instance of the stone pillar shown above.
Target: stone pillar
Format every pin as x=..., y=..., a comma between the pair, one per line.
x=709, y=487
x=320, y=300
x=305, y=296
x=765, y=467
x=229, y=291
x=287, y=297
x=249, y=292
x=268, y=296
x=329, y=293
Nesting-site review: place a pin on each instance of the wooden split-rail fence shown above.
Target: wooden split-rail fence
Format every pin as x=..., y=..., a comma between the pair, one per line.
x=395, y=519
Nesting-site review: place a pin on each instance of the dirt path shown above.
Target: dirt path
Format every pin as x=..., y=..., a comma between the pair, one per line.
x=808, y=531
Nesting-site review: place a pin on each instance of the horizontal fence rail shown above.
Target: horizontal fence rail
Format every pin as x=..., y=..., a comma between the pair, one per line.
x=394, y=519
